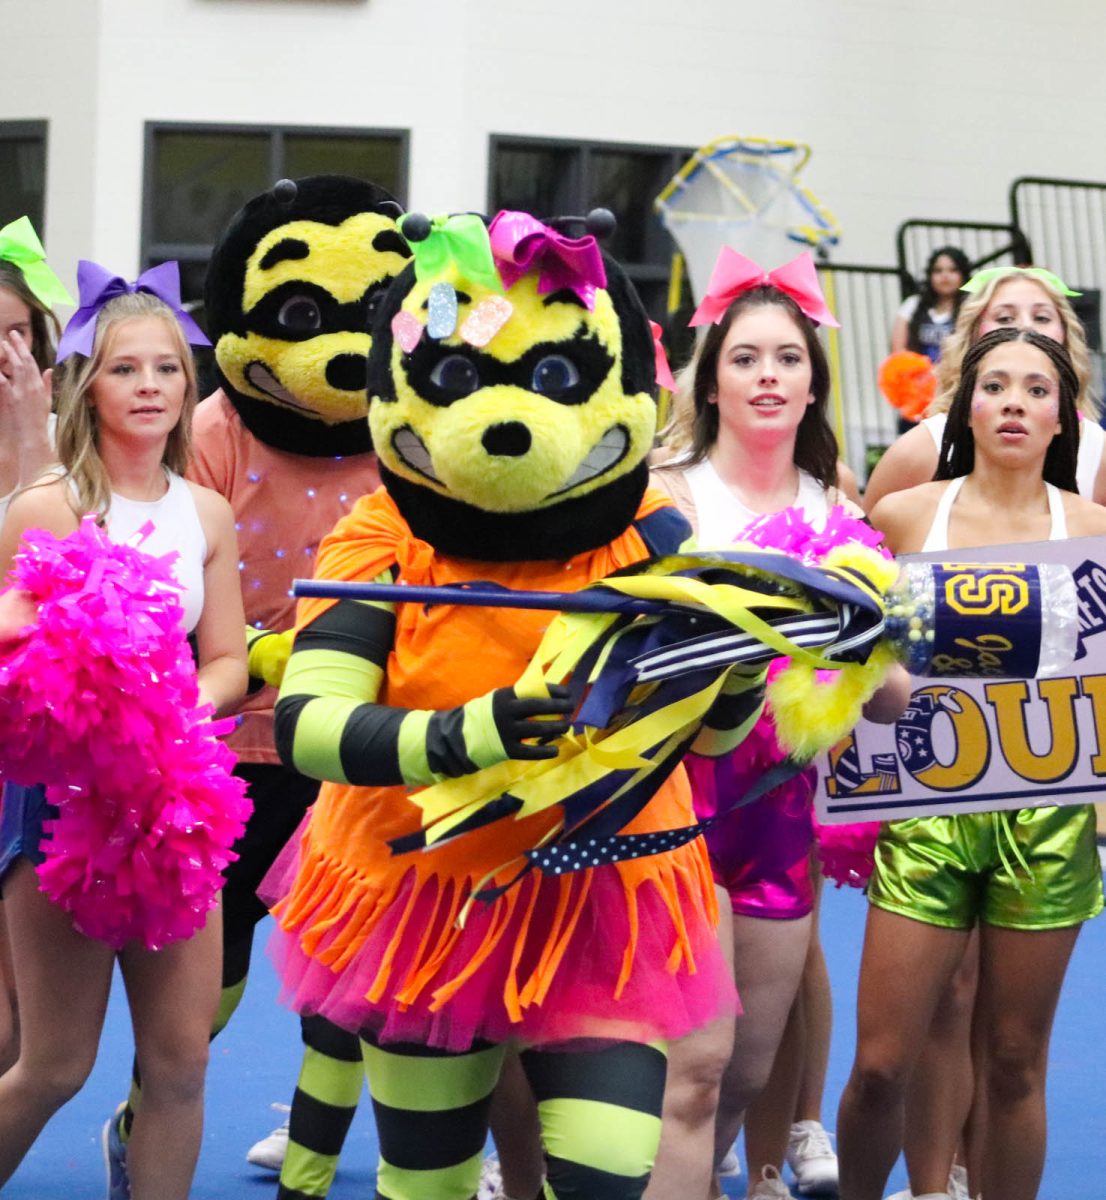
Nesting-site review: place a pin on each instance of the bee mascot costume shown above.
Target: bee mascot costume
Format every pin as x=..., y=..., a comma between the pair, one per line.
x=289, y=297
x=512, y=380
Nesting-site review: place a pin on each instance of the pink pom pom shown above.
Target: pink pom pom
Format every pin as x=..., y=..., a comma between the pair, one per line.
x=98, y=702
x=789, y=531
x=847, y=852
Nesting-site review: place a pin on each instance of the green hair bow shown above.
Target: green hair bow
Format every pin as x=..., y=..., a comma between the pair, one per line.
x=20, y=246
x=981, y=278
x=461, y=240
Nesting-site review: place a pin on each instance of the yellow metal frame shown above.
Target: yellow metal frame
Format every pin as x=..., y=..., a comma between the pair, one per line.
x=703, y=159
x=833, y=354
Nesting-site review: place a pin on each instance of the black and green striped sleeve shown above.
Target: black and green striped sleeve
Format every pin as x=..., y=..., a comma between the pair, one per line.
x=733, y=714
x=329, y=726
x=253, y=637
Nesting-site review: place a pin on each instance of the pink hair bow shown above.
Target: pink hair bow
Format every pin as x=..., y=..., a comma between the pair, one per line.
x=520, y=241
x=734, y=274
x=664, y=371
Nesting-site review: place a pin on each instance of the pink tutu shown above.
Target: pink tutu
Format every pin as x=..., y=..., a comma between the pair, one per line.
x=503, y=950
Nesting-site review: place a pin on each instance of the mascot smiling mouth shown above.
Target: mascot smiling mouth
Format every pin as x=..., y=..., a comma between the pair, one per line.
x=261, y=377
x=606, y=454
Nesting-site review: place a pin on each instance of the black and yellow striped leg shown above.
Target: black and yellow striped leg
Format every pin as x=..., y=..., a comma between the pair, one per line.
x=327, y=1093
x=600, y=1114
x=431, y=1117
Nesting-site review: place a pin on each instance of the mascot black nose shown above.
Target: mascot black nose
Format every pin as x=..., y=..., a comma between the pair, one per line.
x=511, y=438
x=349, y=372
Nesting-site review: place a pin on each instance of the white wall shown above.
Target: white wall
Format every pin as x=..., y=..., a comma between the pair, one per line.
x=49, y=72
x=913, y=109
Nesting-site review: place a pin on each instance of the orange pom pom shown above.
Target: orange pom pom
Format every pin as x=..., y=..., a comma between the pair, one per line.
x=909, y=382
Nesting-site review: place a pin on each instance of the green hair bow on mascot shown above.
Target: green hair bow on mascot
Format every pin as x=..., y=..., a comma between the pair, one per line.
x=512, y=378
x=290, y=291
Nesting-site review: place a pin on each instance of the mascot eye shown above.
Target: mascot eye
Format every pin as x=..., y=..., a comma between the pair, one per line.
x=555, y=376
x=300, y=314
x=456, y=375
x=373, y=298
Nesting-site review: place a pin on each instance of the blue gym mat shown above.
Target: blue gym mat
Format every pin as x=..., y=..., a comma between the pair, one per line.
x=255, y=1062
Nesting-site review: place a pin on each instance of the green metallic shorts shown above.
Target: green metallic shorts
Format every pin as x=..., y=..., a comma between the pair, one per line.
x=1028, y=868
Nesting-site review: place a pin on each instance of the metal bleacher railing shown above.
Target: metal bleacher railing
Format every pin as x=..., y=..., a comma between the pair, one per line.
x=864, y=299
x=1065, y=219
x=986, y=244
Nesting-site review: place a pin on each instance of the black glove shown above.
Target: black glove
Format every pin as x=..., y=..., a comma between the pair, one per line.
x=522, y=721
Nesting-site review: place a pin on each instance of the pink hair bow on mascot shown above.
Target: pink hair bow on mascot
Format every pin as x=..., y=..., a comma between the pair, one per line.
x=520, y=242
x=99, y=703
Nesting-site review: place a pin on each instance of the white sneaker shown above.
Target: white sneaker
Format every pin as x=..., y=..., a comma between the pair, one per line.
x=957, y=1189
x=958, y=1183
x=270, y=1151
x=810, y=1156
x=730, y=1167
x=768, y=1187
x=491, y=1180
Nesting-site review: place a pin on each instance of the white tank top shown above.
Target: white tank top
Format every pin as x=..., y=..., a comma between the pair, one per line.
x=721, y=515
x=176, y=526
x=1092, y=440
x=938, y=536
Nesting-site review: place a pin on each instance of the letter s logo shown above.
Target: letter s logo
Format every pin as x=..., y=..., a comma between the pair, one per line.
x=1004, y=591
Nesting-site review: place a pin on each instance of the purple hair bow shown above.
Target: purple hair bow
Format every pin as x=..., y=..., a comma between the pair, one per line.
x=520, y=241
x=96, y=285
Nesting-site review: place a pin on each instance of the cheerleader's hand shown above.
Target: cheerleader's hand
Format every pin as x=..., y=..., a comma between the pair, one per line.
x=18, y=615
x=24, y=390
x=889, y=703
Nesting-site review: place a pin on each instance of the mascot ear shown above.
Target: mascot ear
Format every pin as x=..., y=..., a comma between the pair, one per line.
x=600, y=223
x=284, y=191
x=389, y=208
x=415, y=227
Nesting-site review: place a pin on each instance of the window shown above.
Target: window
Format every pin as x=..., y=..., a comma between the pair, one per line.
x=550, y=177
x=23, y=172
x=198, y=176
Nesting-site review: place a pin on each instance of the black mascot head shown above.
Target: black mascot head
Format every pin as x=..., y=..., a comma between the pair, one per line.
x=289, y=297
x=512, y=378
